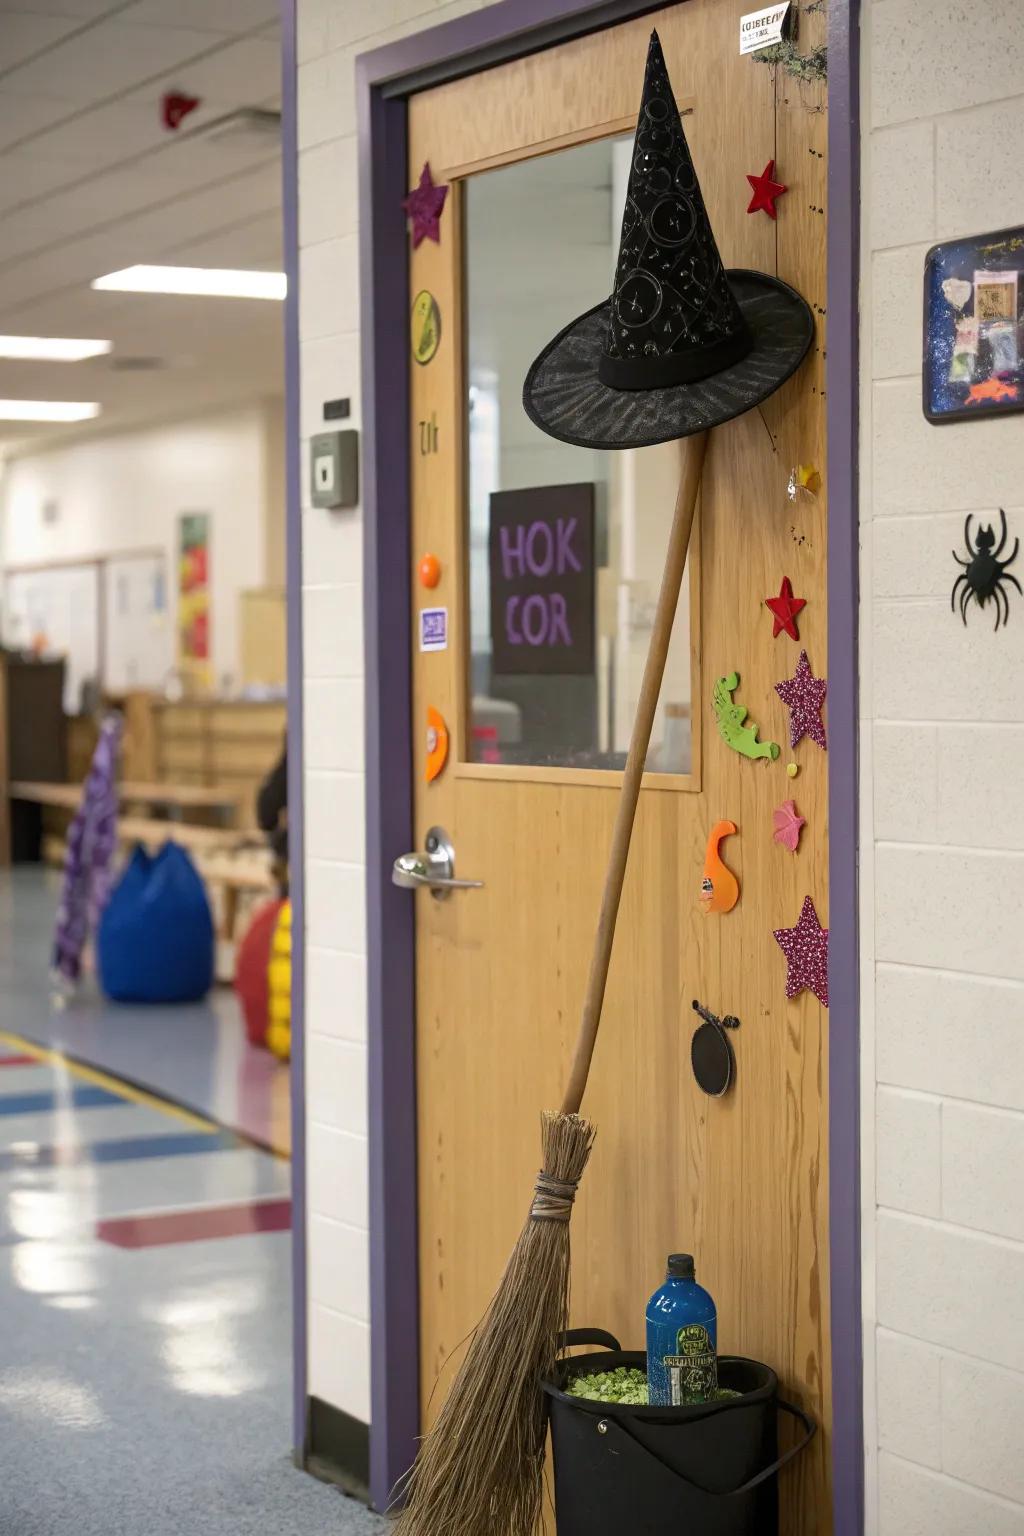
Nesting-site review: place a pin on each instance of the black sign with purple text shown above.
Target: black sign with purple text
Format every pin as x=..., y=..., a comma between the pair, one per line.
x=542, y=579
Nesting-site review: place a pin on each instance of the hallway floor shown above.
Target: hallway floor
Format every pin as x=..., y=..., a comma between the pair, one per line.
x=145, y=1310
x=196, y=1055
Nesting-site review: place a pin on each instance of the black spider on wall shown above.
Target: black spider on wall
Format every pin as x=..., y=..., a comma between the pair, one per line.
x=984, y=574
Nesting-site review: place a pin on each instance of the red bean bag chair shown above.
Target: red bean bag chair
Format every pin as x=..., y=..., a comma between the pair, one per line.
x=251, y=965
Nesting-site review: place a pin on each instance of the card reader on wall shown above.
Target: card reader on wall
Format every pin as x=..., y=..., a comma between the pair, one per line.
x=334, y=468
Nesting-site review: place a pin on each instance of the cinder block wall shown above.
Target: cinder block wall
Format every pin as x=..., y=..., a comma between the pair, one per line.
x=330, y=35
x=942, y=857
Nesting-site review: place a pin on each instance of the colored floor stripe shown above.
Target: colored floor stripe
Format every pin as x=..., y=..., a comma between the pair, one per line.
x=87, y=1097
x=122, y=1090
x=18, y=1061
x=193, y=1226
x=129, y=1150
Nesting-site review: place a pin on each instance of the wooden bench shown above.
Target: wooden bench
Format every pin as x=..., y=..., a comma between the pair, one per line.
x=174, y=797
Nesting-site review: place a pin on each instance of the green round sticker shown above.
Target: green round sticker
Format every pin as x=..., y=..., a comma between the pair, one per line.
x=426, y=326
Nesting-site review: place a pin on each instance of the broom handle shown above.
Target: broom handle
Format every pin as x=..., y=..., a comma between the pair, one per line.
x=647, y=704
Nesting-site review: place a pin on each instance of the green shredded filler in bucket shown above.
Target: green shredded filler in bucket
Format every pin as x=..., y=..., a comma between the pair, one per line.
x=624, y=1384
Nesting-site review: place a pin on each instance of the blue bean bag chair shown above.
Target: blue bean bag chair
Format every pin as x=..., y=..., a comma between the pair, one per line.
x=155, y=942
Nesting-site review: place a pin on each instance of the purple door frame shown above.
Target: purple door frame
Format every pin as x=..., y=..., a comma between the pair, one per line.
x=296, y=839
x=385, y=79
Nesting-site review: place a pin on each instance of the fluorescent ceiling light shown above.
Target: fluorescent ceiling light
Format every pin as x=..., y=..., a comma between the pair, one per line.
x=48, y=410
x=52, y=349
x=213, y=282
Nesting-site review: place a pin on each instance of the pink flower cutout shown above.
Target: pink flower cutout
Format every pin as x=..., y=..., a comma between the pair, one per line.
x=787, y=823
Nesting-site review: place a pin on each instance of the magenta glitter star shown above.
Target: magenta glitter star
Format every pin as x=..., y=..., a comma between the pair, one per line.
x=805, y=694
x=806, y=950
x=424, y=205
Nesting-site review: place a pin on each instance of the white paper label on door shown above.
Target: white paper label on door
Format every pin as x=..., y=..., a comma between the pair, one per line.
x=433, y=629
x=759, y=29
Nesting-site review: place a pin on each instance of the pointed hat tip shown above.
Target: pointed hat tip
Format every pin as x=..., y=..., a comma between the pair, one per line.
x=655, y=52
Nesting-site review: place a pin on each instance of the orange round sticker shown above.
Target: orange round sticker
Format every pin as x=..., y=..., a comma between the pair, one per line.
x=437, y=743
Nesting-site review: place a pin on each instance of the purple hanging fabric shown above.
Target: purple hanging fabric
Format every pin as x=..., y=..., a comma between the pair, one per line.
x=92, y=839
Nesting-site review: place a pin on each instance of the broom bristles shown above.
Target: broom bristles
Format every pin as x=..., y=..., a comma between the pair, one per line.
x=480, y=1469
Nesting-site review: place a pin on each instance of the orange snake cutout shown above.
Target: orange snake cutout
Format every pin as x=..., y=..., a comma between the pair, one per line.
x=437, y=744
x=719, y=889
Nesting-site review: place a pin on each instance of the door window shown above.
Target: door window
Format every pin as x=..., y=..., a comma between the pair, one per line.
x=565, y=544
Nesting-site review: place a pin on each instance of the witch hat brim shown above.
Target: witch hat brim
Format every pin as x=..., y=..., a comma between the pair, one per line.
x=682, y=344
x=565, y=397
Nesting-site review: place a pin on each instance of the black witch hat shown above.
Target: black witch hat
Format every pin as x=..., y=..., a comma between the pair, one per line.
x=682, y=344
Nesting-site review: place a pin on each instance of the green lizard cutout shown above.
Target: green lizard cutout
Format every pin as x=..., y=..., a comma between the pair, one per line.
x=742, y=738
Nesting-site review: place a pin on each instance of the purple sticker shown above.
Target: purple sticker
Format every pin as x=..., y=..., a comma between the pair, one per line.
x=433, y=629
x=541, y=565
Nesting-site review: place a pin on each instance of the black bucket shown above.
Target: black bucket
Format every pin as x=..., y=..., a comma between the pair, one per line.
x=706, y=1470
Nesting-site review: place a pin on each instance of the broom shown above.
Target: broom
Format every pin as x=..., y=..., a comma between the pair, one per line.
x=480, y=1469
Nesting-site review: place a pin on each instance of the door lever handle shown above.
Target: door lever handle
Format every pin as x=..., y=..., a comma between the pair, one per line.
x=434, y=868
x=412, y=869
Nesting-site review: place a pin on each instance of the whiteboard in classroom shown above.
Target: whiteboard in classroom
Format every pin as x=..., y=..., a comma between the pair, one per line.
x=55, y=611
x=139, y=640
x=108, y=618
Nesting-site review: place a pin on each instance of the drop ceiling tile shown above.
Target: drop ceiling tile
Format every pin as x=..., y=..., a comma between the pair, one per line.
x=24, y=177
x=48, y=273
x=226, y=16
x=140, y=218
x=101, y=136
x=23, y=115
x=24, y=35
x=95, y=184
x=31, y=228
x=233, y=75
x=224, y=204
x=46, y=381
x=83, y=10
x=76, y=311
x=112, y=132
x=106, y=59
x=257, y=243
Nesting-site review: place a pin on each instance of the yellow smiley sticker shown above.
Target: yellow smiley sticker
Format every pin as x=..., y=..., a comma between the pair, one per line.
x=426, y=326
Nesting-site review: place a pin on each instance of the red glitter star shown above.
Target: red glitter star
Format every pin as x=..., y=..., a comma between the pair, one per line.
x=805, y=694
x=806, y=950
x=765, y=190
x=424, y=205
x=784, y=609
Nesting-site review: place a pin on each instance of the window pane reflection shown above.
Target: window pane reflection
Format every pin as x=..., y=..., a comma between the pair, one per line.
x=566, y=544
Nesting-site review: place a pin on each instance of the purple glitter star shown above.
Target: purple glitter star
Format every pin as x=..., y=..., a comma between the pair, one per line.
x=806, y=950
x=805, y=694
x=424, y=205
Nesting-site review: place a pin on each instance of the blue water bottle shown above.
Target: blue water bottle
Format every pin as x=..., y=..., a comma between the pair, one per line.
x=682, y=1338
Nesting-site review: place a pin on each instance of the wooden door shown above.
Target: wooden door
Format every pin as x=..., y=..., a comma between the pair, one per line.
x=742, y=1181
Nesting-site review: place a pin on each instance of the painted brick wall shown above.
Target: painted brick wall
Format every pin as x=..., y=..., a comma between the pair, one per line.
x=330, y=35
x=942, y=863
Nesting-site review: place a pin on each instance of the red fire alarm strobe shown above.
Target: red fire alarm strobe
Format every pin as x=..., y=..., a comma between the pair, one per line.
x=175, y=106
